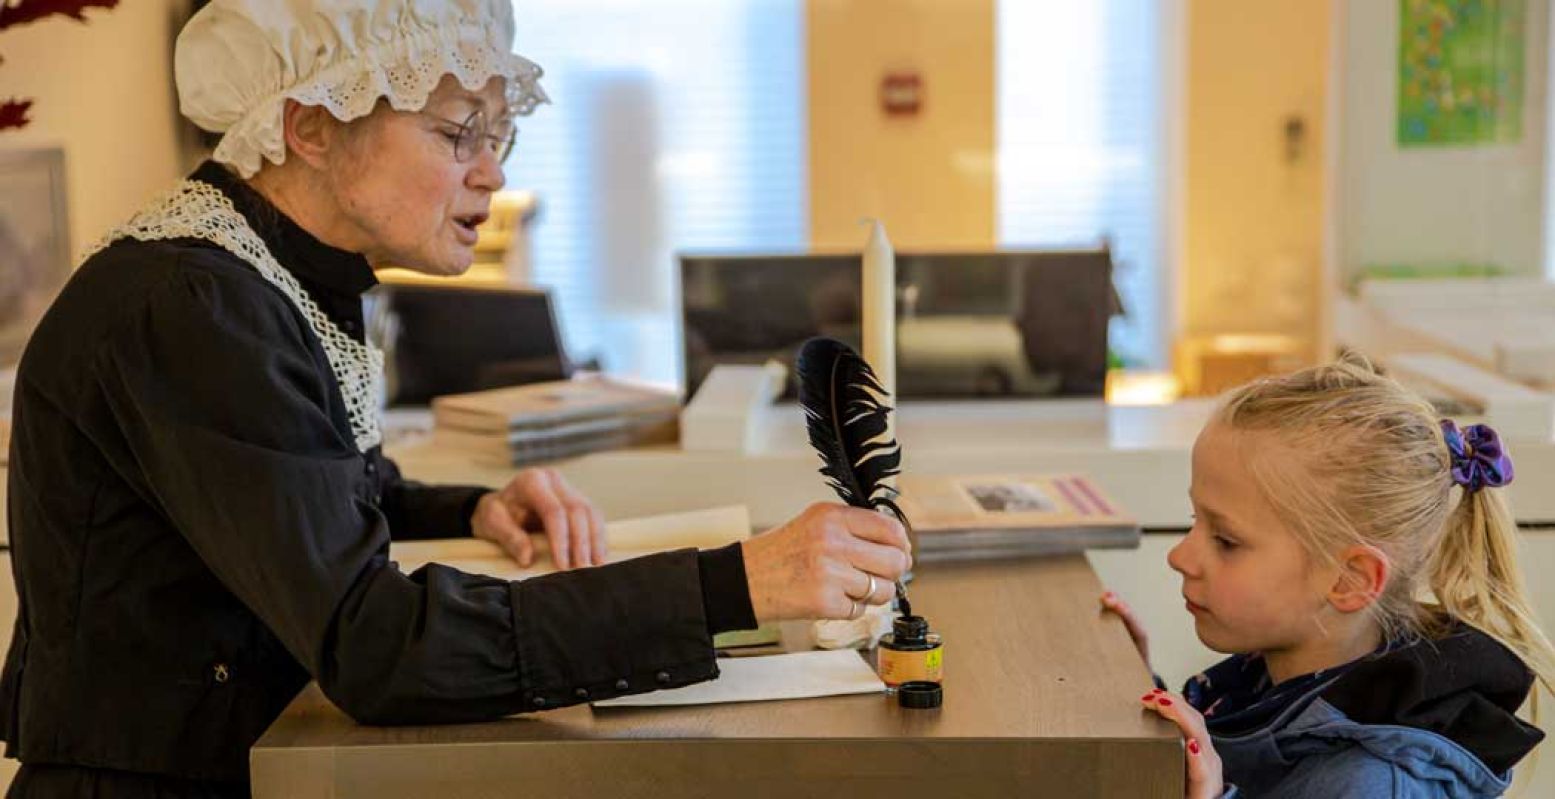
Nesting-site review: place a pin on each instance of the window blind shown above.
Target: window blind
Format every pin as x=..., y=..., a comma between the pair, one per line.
x=675, y=125
x=1080, y=145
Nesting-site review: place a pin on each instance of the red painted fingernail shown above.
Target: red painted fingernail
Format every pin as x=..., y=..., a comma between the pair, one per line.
x=1147, y=697
x=1193, y=745
x=1165, y=701
x=1108, y=595
x=1158, y=691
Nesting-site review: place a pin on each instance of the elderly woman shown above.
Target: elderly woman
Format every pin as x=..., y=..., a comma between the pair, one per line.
x=200, y=510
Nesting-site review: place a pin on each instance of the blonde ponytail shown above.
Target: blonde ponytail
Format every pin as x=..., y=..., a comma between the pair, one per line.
x=1475, y=577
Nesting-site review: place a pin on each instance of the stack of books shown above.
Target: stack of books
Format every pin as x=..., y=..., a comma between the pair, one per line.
x=540, y=422
x=1002, y=516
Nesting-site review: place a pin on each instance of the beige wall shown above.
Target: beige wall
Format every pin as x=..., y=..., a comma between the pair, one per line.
x=929, y=176
x=1435, y=206
x=1253, y=223
x=104, y=92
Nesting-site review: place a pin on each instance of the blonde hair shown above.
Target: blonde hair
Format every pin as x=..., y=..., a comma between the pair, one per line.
x=1373, y=468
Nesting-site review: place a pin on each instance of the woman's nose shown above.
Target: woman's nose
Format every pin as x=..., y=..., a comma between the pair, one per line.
x=486, y=172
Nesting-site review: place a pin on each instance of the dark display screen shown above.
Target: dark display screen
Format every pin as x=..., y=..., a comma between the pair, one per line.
x=1005, y=324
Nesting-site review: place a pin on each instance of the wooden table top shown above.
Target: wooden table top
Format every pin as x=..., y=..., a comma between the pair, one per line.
x=1029, y=659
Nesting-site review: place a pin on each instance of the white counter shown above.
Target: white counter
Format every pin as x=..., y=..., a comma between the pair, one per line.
x=1140, y=455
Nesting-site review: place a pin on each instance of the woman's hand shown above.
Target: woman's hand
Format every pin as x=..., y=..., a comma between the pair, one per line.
x=1203, y=772
x=827, y=563
x=1136, y=629
x=535, y=501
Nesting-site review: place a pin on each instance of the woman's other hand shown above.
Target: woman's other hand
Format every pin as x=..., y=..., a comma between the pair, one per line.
x=827, y=563
x=1136, y=629
x=540, y=501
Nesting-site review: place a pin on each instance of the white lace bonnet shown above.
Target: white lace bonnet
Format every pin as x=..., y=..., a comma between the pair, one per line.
x=238, y=61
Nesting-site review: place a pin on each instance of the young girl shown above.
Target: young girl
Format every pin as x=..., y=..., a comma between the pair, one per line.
x=1355, y=557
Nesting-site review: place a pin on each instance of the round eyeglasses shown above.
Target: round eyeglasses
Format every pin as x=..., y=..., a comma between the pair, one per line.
x=475, y=131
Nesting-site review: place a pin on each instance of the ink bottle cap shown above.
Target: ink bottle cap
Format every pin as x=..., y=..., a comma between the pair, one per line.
x=920, y=694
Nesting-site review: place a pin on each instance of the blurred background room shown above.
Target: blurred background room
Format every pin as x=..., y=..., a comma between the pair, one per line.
x=1104, y=214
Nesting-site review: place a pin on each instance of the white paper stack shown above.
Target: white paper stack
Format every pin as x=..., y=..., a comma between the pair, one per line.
x=798, y=675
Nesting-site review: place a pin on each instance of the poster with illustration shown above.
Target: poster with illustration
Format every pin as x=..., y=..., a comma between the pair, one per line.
x=1460, y=72
x=34, y=244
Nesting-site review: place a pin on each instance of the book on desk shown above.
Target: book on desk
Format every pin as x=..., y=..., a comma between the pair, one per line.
x=538, y=422
x=974, y=517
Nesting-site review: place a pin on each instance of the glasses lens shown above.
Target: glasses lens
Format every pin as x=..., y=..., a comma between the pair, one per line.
x=504, y=144
x=471, y=134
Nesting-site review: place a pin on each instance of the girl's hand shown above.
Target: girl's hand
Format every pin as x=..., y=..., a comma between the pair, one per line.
x=1204, y=775
x=1136, y=630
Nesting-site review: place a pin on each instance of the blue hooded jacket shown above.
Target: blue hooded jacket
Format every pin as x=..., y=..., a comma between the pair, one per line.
x=1427, y=718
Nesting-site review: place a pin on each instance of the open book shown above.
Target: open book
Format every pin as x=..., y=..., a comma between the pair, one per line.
x=625, y=539
x=994, y=516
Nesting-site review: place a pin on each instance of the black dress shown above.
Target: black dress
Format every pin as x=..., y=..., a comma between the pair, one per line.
x=195, y=535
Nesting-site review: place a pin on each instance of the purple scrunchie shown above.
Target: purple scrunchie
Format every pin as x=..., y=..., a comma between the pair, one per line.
x=1477, y=457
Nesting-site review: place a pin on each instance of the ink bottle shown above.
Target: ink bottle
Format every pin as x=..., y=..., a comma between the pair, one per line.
x=910, y=653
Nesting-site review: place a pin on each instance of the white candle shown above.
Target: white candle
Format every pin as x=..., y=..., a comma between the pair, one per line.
x=879, y=294
x=879, y=323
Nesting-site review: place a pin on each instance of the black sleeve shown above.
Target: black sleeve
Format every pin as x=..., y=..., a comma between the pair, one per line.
x=229, y=411
x=418, y=511
x=726, y=597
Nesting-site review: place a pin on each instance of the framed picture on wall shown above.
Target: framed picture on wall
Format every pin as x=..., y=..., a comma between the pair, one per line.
x=1460, y=72
x=34, y=242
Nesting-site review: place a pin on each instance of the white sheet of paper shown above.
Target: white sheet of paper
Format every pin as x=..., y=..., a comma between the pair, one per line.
x=798, y=675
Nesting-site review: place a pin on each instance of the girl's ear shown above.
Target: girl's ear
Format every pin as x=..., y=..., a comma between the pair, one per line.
x=1363, y=574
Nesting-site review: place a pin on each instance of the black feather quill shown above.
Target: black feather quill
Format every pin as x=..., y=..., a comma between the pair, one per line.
x=847, y=413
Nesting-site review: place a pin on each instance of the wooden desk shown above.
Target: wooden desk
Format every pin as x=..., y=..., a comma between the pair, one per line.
x=1041, y=699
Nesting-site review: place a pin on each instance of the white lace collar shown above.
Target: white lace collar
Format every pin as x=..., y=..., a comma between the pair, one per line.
x=196, y=209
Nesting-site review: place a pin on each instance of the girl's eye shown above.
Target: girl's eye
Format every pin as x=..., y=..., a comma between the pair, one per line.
x=1225, y=543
